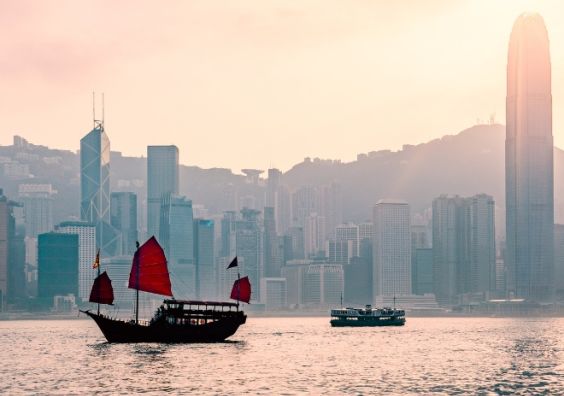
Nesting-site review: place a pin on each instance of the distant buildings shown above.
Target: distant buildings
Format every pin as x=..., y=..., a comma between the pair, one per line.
x=249, y=245
x=463, y=247
x=176, y=236
x=162, y=179
x=123, y=217
x=86, y=254
x=313, y=284
x=274, y=293
x=58, y=255
x=12, y=254
x=529, y=161
x=392, y=249
x=37, y=200
x=204, y=259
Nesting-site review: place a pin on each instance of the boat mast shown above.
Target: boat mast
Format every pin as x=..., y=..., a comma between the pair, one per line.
x=137, y=289
x=98, y=290
x=238, y=287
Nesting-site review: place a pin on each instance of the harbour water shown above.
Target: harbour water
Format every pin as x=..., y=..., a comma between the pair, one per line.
x=292, y=356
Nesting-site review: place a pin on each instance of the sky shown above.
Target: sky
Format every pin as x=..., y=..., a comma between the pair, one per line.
x=260, y=84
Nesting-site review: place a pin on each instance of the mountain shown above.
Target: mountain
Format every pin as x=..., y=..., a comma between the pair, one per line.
x=467, y=163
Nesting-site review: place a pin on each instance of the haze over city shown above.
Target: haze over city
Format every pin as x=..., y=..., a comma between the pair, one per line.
x=260, y=84
x=282, y=197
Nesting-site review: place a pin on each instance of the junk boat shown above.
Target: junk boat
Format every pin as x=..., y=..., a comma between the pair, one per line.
x=178, y=321
x=368, y=316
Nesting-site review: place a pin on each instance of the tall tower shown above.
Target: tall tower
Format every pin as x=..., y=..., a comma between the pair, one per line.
x=529, y=180
x=95, y=175
x=162, y=179
x=392, y=249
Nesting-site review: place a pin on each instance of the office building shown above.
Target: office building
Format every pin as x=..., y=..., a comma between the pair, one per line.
x=162, y=180
x=392, y=248
x=529, y=163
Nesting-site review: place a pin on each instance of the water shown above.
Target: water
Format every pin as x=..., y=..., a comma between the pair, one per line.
x=292, y=356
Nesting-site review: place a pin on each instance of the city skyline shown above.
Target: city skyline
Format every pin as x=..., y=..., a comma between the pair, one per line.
x=372, y=40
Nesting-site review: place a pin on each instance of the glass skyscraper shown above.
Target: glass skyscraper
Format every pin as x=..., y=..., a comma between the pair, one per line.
x=162, y=179
x=529, y=183
x=95, y=176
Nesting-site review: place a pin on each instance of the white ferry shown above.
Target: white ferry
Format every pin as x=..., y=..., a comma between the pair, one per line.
x=368, y=316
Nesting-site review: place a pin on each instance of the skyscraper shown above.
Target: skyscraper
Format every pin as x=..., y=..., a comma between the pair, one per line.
x=162, y=179
x=87, y=253
x=58, y=272
x=204, y=259
x=37, y=200
x=95, y=188
x=272, y=255
x=463, y=246
x=123, y=217
x=392, y=249
x=95, y=176
x=529, y=180
x=176, y=235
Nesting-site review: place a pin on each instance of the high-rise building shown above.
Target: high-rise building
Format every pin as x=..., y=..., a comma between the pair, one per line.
x=422, y=267
x=392, y=249
x=340, y=252
x=57, y=269
x=463, y=246
x=249, y=246
x=529, y=182
x=95, y=176
x=12, y=252
x=162, y=179
x=5, y=219
x=366, y=231
x=559, y=260
x=331, y=207
x=86, y=254
x=95, y=188
x=314, y=234
x=349, y=232
x=358, y=275
x=204, y=259
x=272, y=254
x=37, y=200
x=176, y=236
x=274, y=293
x=305, y=201
x=123, y=217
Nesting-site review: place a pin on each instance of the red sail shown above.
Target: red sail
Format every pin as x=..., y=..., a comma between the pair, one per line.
x=149, y=271
x=242, y=290
x=102, y=291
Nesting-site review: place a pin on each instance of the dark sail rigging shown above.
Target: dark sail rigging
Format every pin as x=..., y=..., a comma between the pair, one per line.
x=149, y=271
x=102, y=291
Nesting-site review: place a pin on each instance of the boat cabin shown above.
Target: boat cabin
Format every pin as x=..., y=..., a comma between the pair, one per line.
x=193, y=312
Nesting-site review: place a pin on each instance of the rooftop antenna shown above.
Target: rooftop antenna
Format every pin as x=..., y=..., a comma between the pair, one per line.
x=98, y=124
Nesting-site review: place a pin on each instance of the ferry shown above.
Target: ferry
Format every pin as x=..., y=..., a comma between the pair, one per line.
x=367, y=317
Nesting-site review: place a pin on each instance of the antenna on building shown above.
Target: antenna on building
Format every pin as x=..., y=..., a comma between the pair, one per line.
x=98, y=124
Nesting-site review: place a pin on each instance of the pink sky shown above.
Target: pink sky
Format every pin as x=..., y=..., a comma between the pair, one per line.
x=261, y=83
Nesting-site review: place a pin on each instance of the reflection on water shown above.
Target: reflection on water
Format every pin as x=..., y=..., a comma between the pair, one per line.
x=292, y=356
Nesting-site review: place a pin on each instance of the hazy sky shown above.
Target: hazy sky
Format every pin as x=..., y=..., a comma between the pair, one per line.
x=261, y=83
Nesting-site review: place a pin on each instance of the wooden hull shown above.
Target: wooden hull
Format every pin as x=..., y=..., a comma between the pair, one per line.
x=120, y=331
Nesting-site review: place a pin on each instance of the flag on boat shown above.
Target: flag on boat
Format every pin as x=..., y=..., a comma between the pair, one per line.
x=233, y=263
x=102, y=291
x=241, y=290
x=96, y=262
